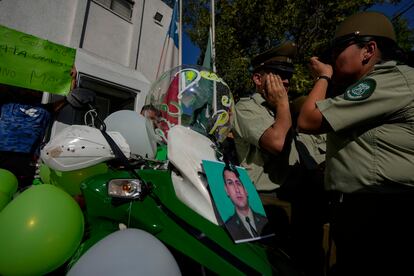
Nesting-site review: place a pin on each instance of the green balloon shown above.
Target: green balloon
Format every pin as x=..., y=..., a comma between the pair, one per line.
x=71, y=181
x=8, y=183
x=44, y=173
x=39, y=230
x=4, y=200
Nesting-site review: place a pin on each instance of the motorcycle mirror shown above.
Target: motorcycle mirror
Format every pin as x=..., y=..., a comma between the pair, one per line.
x=81, y=98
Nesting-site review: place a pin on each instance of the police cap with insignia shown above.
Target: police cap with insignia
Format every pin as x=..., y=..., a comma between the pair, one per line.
x=279, y=58
x=362, y=26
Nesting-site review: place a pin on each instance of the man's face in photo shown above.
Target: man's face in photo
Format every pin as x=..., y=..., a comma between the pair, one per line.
x=235, y=190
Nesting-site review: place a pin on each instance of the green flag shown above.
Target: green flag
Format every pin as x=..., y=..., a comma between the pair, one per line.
x=208, y=60
x=31, y=62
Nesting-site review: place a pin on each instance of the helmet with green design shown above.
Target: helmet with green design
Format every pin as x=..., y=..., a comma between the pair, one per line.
x=193, y=97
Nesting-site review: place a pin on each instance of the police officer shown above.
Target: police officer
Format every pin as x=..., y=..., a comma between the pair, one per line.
x=269, y=149
x=370, y=146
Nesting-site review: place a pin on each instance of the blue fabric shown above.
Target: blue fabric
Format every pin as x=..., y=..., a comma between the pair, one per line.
x=22, y=127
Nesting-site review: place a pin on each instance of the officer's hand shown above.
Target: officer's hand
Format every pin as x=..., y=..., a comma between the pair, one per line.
x=275, y=92
x=319, y=68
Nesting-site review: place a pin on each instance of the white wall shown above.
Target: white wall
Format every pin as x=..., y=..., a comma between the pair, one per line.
x=151, y=47
x=110, y=43
x=108, y=35
x=47, y=19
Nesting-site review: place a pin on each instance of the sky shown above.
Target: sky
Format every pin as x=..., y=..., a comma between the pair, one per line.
x=191, y=52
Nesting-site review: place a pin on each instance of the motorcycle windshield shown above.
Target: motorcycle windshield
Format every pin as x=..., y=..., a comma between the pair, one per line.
x=193, y=97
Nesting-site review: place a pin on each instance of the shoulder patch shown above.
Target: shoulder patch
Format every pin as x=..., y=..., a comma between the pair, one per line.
x=361, y=90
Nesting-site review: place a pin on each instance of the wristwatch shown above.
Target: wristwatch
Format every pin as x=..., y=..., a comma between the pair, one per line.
x=324, y=77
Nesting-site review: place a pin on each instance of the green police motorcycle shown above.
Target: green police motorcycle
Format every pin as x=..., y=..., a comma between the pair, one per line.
x=133, y=172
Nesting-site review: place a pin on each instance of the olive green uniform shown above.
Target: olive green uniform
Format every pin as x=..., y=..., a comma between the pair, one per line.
x=373, y=138
x=267, y=171
x=292, y=173
x=370, y=161
x=370, y=152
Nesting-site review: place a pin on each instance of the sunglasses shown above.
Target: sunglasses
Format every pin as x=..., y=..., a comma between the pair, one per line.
x=339, y=45
x=337, y=49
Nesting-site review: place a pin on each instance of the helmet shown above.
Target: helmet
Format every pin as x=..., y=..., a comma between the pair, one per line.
x=365, y=24
x=277, y=58
x=194, y=97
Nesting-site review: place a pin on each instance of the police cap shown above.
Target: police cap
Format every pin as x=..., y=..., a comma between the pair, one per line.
x=279, y=58
x=365, y=24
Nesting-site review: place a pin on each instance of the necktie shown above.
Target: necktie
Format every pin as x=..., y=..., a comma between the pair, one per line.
x=251, y=227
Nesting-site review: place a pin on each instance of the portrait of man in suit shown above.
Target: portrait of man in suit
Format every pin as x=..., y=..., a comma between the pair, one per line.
x=244, y=223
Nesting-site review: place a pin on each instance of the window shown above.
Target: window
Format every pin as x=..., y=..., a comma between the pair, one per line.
x=110, y=97
x=158, y=18
x=123, y=8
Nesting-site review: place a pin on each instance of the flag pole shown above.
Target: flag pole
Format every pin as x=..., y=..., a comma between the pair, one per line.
x=213, y=36
x=180, y=54
x=213, y=53
x=170, y=54
x=162, y=56
x=180, y=34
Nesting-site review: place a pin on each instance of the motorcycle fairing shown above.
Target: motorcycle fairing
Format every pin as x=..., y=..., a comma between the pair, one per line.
x=77, y=147
x=186, y=150
x=174, y=223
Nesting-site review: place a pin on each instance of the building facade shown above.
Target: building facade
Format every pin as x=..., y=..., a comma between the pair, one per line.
x=118, y=43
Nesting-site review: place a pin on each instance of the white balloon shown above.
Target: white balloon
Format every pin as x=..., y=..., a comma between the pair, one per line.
x=136, y=129
x=126, y=252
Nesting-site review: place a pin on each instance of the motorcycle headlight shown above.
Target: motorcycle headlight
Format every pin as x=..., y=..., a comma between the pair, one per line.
x=125, y=188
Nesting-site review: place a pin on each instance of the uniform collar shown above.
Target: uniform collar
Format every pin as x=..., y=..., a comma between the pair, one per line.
x=258, y=98
x=386, y=64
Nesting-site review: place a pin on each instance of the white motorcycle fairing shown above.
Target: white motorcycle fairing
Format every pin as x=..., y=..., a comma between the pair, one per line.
x=186, y=150
x=77, y=147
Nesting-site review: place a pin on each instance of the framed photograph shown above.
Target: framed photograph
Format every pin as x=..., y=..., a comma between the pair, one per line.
x=237, y=201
